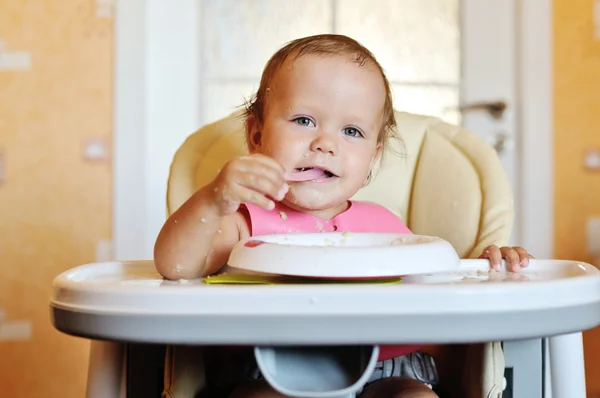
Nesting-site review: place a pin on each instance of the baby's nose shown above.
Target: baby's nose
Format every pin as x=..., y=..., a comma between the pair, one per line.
x=324, y=144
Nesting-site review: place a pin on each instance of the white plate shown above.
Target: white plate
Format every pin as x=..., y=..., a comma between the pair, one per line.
x=344, y=255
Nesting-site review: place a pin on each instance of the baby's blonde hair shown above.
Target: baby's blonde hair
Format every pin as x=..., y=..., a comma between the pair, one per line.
x=324, y=44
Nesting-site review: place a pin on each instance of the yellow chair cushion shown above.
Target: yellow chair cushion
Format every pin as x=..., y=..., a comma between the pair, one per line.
x=442, y=180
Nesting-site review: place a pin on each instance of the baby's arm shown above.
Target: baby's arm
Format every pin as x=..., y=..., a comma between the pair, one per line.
x=197, y=239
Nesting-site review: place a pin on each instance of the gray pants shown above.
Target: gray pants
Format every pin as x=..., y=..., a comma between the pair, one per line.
x=417, y=365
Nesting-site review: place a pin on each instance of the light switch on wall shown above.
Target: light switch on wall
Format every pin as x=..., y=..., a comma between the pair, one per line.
x=16, y=331
x=591, y=159
x=13, y=60
x=95, y=149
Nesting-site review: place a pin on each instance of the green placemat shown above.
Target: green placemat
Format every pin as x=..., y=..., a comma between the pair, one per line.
x=241, y=279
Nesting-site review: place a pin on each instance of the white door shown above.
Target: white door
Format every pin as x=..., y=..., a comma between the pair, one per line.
x=201, y=58
x=453, y=59
x=488, y=85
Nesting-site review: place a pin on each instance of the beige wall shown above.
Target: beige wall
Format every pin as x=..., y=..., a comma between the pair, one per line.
x=54, y=204
x=576, y=128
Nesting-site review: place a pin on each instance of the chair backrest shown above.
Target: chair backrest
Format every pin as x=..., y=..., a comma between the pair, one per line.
x=442, y=180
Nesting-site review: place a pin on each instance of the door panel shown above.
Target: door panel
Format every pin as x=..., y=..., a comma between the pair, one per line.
x=489, y=74
x=416, y=42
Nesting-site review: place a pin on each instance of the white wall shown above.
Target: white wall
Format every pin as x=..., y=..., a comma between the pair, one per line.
x=129, y=136
x=172, y=97
x=157, y=106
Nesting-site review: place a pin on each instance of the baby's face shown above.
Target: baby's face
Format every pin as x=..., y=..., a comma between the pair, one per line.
x=322, y=119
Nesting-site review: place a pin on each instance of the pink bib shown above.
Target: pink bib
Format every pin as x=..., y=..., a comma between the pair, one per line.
x=359, y=217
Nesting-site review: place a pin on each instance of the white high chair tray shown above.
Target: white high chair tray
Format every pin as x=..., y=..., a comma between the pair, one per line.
x=129, y=301
x=343, y=255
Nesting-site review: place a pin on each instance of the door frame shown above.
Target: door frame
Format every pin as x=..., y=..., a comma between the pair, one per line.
x=144, y=31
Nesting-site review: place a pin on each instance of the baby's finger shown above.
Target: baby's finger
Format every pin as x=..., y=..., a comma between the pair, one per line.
x=264, y=184
x=493, y=254
x=266, y=170
x=512, y=258
x=248, y=195
x=523, y=256
x=266, y=161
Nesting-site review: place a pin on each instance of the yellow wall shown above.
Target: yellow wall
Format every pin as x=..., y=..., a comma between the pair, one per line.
x=576, y=124
x=576, y=128
x=54, y=204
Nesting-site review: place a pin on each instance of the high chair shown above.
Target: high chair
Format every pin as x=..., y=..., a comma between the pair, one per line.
x=443, y=181
x=440, y=179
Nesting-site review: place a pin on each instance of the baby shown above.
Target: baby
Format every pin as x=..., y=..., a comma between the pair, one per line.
x=321, y=119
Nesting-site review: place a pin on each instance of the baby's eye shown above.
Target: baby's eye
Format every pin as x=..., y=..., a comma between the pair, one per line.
x=304, y=121
x=352, y=132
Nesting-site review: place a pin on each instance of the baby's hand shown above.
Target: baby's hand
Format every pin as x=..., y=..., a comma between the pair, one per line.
x=256, y=179
x=516, y=257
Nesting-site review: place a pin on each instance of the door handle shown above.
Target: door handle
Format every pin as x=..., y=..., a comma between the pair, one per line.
x=494, y=108
x=502, y=142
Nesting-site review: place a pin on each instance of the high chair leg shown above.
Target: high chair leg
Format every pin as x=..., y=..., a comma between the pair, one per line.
x=106, y=369
x=184, y=371
x=483, y=372
x=567, y=371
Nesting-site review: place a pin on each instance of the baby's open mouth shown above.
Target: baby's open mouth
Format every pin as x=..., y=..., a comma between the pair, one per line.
x=309, y=173
x=326, y=173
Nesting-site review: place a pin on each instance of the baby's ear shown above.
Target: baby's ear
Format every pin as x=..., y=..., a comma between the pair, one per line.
x=378, y=150
x=377, y=155
x=253, y=135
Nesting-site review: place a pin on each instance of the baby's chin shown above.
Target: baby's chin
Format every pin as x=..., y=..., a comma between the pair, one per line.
x=314, y=202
